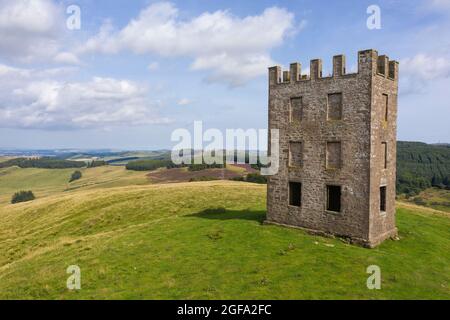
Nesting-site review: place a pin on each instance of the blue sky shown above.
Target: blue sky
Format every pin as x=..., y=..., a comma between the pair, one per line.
x=137, y=70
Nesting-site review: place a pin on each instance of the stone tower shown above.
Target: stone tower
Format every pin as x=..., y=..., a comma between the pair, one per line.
x=337, y=165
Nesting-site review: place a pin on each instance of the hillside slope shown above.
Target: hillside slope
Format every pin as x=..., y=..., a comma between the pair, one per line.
x=200, y=241
x=45, y=182
x=421, y=165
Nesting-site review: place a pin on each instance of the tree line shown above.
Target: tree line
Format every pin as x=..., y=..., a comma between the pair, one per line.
x=421, y=165
x=151, y=164
x=43, y=163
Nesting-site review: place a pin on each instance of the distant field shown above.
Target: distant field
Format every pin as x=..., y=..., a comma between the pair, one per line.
x=434, y=198
x=44, y=182
x=3, y=159
x=203, y=241
x=122, y=158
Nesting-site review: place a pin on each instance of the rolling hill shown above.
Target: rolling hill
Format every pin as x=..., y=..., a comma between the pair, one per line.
x=45, y=182
x=202, y=241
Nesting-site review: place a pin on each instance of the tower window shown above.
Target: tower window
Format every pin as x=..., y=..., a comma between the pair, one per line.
x=295, y=194
x=385, y=107
x=295, y=154
x=383, y=199
x=333, y=158
x=334, y=198
x=384, y=154
x=296, y=112
x=334, y=111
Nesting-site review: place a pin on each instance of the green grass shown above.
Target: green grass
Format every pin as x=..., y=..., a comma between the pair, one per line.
x=45, y=182
x=42, y=182
x=204, y=241
x=435, y=198
x=236, y=169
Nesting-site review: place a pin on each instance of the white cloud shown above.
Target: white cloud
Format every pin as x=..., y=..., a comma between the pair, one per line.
x=427, y=67
x=12, y=76
x=31, y=100
x=28, y=16
x=233, y=49
x=418, y=71
x=102, y=42
x=67, y=58
x=29, y=29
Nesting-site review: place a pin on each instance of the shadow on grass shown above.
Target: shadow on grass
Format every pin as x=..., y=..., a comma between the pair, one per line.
x=224, y=214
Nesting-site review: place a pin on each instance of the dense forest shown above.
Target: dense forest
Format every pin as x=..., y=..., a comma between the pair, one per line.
x=44, y=163
x=421, y=165
x=148, y=165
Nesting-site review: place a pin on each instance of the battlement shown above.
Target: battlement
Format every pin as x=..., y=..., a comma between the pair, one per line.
x=369, y=63
x=337, y=148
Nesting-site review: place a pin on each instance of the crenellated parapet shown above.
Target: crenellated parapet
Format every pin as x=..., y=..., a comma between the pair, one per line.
x=336, y=166
x=369, y=63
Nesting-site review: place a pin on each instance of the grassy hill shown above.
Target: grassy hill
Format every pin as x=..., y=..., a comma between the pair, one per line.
x=45, y=182
x=200, y=241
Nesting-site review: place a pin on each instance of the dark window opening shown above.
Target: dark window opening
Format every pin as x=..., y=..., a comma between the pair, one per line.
x=384, y=154
x=295, y=194
x=383, y=199
x=385, y=106
x=334, y=198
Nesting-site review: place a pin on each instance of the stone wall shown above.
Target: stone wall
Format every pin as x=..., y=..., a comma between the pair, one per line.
x=355, y=127
x=383, y=150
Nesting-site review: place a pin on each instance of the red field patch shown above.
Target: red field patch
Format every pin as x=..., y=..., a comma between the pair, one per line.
x=184, y=175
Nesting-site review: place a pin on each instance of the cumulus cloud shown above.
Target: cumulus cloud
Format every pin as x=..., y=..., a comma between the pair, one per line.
x=15, y=77
x=33, y=30
x=67, y=58
x=32, y=100
x=231, y=48
x=417, y=71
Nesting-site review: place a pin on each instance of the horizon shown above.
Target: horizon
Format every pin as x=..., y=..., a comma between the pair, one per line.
x=167, y=149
